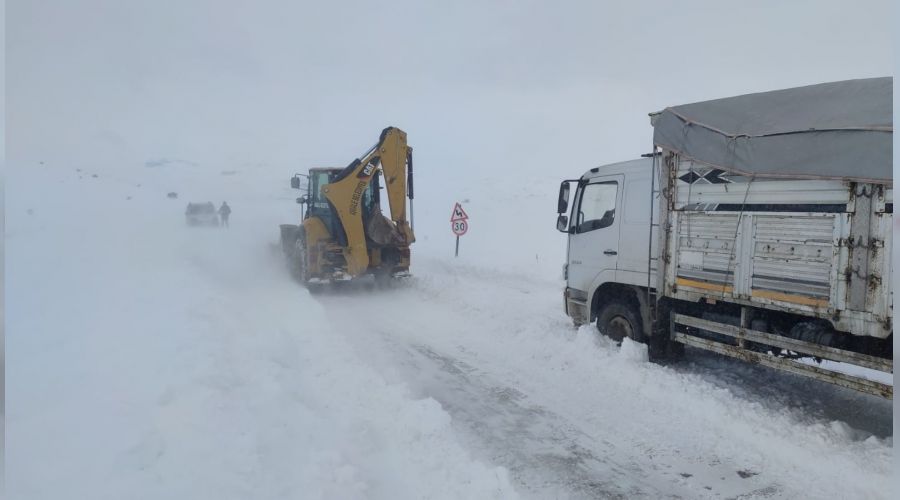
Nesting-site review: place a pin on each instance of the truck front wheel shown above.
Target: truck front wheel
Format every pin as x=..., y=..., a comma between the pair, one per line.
x=618, y=320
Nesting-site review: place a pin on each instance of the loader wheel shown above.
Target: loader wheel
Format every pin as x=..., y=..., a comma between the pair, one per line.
x=618, y=320
x=298, y=260
x=300, y=268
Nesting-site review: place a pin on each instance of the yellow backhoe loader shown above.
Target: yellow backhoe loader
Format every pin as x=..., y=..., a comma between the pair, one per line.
x=343, y=233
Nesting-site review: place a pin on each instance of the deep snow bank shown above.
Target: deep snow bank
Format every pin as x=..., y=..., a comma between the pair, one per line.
x=149, y=360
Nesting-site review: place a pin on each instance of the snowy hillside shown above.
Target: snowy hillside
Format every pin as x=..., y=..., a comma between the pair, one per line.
x=148, y=359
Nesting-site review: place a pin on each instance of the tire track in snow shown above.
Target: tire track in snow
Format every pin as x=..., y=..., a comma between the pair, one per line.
x=547, y=454
x=542, y=450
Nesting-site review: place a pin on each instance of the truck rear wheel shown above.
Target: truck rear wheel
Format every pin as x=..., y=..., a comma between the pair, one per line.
x=618, y=320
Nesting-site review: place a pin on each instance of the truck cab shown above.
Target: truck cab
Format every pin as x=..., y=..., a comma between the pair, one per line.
x=608, y=222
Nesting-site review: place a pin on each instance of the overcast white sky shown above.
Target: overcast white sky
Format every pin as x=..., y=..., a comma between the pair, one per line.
x=498, y=86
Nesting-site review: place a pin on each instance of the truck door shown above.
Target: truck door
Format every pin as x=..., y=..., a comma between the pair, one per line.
x=594, y=231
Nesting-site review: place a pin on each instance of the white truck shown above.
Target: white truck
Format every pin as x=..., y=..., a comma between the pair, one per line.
x=759, y=228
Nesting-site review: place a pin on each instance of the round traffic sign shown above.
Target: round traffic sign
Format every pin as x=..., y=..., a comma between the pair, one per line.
x=459, y=227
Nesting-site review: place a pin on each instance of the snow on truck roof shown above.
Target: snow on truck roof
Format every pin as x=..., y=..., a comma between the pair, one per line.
x=837, y=130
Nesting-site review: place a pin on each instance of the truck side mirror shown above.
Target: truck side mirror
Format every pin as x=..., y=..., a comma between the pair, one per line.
x=295, y=182
x=301, y=200
x=562, y=205
x=562, y=223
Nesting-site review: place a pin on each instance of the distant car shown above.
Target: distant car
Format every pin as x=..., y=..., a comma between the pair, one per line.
x=201, y=214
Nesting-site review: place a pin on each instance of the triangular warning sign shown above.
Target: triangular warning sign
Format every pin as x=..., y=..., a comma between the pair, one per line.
x=458, y=213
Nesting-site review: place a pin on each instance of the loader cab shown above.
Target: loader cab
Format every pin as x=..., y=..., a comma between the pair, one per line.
x=317, y=203
x=319, y=207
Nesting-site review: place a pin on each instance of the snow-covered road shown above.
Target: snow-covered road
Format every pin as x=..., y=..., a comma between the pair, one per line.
x=149, y=360
x=570, y=414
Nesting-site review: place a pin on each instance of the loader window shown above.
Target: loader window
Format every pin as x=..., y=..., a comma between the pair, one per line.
x=370, y=197
x=316, y=181
x=597, y=207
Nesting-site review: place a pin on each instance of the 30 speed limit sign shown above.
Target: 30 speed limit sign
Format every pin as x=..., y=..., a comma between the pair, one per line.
x=458, y=223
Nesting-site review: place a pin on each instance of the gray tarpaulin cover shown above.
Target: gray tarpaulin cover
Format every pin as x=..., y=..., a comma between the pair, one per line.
x=838, y=130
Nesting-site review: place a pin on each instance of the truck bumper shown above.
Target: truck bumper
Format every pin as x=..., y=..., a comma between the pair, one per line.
x=575, y=302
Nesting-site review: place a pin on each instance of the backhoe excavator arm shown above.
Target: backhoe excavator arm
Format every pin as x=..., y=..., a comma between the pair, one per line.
x=345, y=194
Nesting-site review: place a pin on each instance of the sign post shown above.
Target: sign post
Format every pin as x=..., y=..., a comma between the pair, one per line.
x=458, y=224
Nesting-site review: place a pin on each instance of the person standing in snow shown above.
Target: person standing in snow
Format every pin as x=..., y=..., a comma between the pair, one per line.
x=224, y=212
